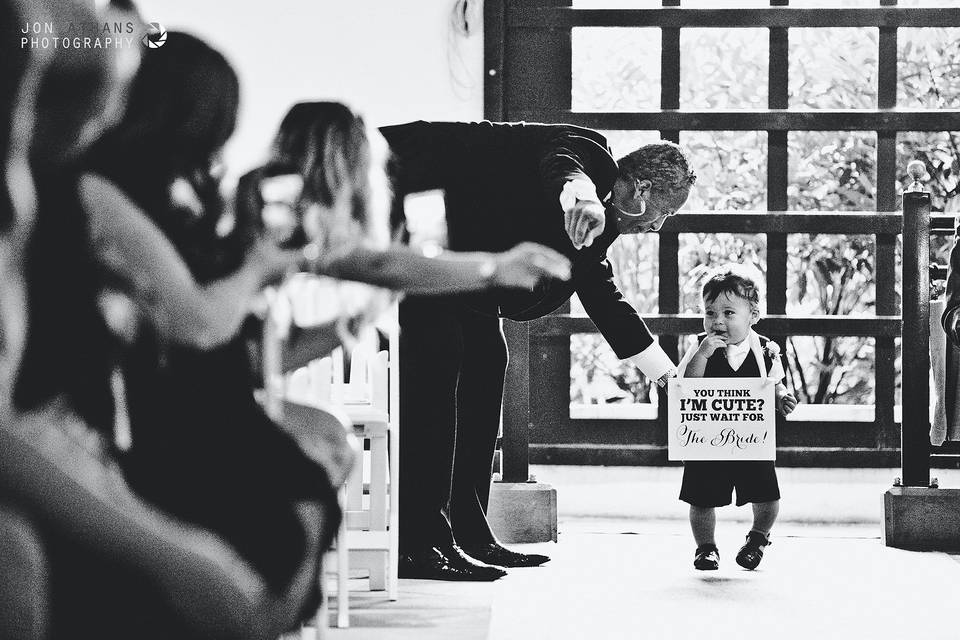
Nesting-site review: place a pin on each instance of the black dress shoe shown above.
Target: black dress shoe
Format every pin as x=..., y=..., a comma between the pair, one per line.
x=493, y=553
x=706, y=558
x=751, y=553
x=451, y=564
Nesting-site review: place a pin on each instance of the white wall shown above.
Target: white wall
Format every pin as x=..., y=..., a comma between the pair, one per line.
x=394, y=60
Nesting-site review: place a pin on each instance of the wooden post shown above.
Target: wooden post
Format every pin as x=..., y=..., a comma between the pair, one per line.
x=515, y=445
x=915, y=428
x=535, y=74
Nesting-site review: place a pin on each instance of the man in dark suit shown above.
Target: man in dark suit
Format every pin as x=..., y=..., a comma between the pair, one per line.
x=557, y=185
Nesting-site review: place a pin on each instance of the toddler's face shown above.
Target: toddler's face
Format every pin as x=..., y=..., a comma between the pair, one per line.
x=729, y=316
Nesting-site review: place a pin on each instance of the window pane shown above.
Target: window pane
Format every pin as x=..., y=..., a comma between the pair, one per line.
x=832, y=170
x=597, y=376
x=833, y=68
x=940, y=152
x=830, y=275
x=617, y=4
x=723, y=68
x=833, y=3
x=701, y=253
x=615, y=69
x=928, y=69
x=831, y=370
x=635, y=271
x=623, y=142
x=725, y=4
x=731, y=169
x=928, y=3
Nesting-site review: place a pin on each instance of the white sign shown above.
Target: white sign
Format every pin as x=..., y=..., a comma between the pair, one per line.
x=721, y=419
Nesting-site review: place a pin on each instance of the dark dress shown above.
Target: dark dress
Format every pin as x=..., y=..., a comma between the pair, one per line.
x=203, y=449
x=68, y=357
x=69, y=349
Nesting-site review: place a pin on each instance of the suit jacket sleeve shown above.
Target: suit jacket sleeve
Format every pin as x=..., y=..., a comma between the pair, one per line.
x=617, y=320
x=572, y=153
x=432, y=155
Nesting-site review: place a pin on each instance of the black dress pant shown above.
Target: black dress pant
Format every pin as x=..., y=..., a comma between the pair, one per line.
x=453, y=358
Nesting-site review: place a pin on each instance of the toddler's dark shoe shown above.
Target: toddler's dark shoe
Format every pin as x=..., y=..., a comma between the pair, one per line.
x=707, y=558
x=751, y=553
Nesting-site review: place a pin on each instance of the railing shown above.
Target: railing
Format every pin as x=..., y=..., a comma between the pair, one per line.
x=915, y=432
x=544, y=345
x=528, y=53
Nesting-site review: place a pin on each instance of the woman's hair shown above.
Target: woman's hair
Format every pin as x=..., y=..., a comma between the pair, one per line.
x=13, y=67
x=331, y=147
x=181, y=110
x=732, y=282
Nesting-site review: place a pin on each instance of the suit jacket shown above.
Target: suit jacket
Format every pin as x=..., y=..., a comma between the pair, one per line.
x=950, y=312
x=951, y=354
x=502, y=184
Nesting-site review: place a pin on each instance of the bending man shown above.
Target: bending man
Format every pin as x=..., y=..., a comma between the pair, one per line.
x=557, y=185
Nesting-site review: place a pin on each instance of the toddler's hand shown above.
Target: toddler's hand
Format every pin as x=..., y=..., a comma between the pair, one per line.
x=786, y=403
x=711, y=343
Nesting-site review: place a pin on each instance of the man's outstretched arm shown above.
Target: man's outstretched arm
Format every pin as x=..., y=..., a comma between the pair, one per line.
x=621, y=325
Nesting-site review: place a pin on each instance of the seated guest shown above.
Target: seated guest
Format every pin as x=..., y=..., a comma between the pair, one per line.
x=24, y=583
x=167, y=579
x=202, y=448
x=340, y=207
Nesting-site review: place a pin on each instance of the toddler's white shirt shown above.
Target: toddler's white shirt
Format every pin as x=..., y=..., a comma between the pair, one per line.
x=737, y=353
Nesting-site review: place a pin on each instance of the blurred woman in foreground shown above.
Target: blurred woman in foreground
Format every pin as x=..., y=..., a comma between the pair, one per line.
x=325, y=188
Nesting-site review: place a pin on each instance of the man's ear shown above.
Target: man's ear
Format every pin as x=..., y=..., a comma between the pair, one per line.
x=754, y=316
x=641, y=188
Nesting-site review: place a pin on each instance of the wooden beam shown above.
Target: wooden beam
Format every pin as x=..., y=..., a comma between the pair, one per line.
x=754, y=120
x=774, y=222
x=656, y=455
x=777, y=167
x=521, y=17
x=778, y=325
x=494, y=30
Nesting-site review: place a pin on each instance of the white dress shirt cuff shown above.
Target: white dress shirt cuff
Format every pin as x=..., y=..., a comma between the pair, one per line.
x=653, y=362
x=577, y=189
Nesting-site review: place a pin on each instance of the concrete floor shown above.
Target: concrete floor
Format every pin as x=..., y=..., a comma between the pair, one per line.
x=626, y=572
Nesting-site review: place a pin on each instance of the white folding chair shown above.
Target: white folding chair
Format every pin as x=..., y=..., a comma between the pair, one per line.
x=371, y=490
x=280, y=394
x=368, y=396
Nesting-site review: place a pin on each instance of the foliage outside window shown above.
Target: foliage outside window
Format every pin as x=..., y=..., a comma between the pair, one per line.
x=618, y=69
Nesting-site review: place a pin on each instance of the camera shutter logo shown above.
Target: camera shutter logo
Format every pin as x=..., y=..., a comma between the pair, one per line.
x=156, y=36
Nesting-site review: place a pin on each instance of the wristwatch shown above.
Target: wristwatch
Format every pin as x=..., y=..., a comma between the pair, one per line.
x=486, y=270
x=309, y=258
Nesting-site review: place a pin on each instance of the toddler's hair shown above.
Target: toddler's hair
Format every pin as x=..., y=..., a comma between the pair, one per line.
x=728, y=280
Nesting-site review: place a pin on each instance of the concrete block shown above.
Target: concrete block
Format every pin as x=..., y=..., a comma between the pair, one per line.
x=922, y=519
x=523, y=512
